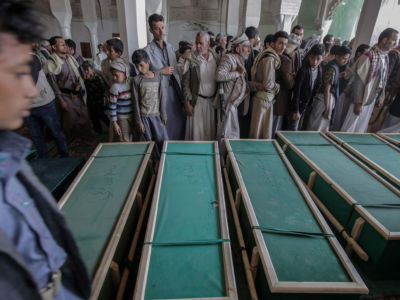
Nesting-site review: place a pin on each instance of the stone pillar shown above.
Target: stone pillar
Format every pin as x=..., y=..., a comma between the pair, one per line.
x=61, y=10
x=325, y=14
x=233, y=17
x=132, y=25
x=373, y=20
x=253, y=13
x=90, y=21
x=284, y=13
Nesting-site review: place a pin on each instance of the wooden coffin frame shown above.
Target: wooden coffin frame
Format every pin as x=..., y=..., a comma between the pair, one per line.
x=373, y=165
x=106, y=263
x=260, y=252
x=379, y=227
x=230, y=283
x=386, y=136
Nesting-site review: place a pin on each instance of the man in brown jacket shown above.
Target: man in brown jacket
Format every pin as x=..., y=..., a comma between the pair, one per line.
x=263, y=71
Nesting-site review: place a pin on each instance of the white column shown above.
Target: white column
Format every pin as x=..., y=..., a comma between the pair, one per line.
x=90, y=21
x=284, y=13
x=376, y=15
x=61, y=10
x=325, y=15
x=132, y=25
x=233, y=16
x=253, y=13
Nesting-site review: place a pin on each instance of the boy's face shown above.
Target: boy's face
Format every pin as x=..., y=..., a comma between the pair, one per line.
x=315, y=60
x=71, y=51
x=143, y=67
x=89, y=73
x=118, y=76
x=17, y=88
x=342, y=59
x=112, y=53
x=280, y=45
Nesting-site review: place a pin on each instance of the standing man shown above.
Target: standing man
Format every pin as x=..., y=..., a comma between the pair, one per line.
x=39, y=257
x=263, y=72
x=199, y=89
x=233, y=88
x=69, y=89
x=163, y=59
x=100, y=56
x=71, y=46
x=297, y=57
x=368, y=82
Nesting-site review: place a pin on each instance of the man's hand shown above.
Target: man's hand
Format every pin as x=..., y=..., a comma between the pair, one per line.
x=357, y=108
x=296, y=116
x=188, y=108
x=240, y=69
x=142, y=129
x=64, y=105
x=167, y=70
x=325, y=115
x=164, y=122
x=116, y=128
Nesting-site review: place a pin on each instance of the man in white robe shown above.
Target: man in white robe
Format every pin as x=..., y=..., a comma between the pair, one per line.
x=199, y=89
x=368, y=83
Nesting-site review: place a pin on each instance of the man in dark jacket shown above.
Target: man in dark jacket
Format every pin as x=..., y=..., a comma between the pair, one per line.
x=38, y=256
x=308, y=80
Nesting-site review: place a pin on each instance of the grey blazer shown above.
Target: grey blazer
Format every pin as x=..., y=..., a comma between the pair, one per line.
x=157, y=62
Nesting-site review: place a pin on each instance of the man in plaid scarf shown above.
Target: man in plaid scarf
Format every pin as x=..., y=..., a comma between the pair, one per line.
x=369, y=81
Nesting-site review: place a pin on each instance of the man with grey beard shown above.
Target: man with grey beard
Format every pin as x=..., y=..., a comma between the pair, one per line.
x=233, y=87
x=199, y=88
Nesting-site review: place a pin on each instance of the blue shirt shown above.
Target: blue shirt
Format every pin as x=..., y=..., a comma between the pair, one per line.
x=22, y=222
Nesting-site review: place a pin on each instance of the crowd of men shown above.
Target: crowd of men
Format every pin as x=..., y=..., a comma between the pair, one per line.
x=215, y=87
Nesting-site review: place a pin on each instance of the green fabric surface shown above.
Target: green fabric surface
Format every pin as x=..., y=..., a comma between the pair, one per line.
x=359, y=184
x=94, y=205
x=394, y=136
x=376, y=150
x=278, y=204
x=53, y=171
x=186, y=215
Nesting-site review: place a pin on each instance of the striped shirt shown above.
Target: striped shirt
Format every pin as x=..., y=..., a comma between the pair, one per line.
x=120, y=101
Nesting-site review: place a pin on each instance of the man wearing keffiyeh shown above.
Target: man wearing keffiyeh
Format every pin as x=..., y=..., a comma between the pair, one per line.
x=368, y=83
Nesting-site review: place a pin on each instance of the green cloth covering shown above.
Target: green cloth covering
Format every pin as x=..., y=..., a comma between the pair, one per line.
x=52, y=172
x=278, y=204
x=376, y=150
x=96, y=202
x=394, y=136
x=187, y=215
x=358, y=183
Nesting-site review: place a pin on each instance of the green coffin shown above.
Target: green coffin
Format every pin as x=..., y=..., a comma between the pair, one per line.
x=394, y=138
x=375, y=152
x=300, y=257
x=350, y=191
x=187, y=252
x=101, y=210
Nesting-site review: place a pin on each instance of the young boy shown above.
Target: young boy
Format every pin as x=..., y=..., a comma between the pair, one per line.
x=96, y=89
x=307, y=82
x=113, y=48
x=120, y=100
x=324, y=102
x=149, y=111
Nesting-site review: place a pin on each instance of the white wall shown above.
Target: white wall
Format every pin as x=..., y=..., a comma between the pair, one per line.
x=186, y=31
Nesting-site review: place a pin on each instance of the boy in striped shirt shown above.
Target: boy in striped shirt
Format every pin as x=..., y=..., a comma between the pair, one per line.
x=120, y=101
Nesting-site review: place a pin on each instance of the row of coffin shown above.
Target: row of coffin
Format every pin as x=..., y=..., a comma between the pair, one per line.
x=287, y=247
